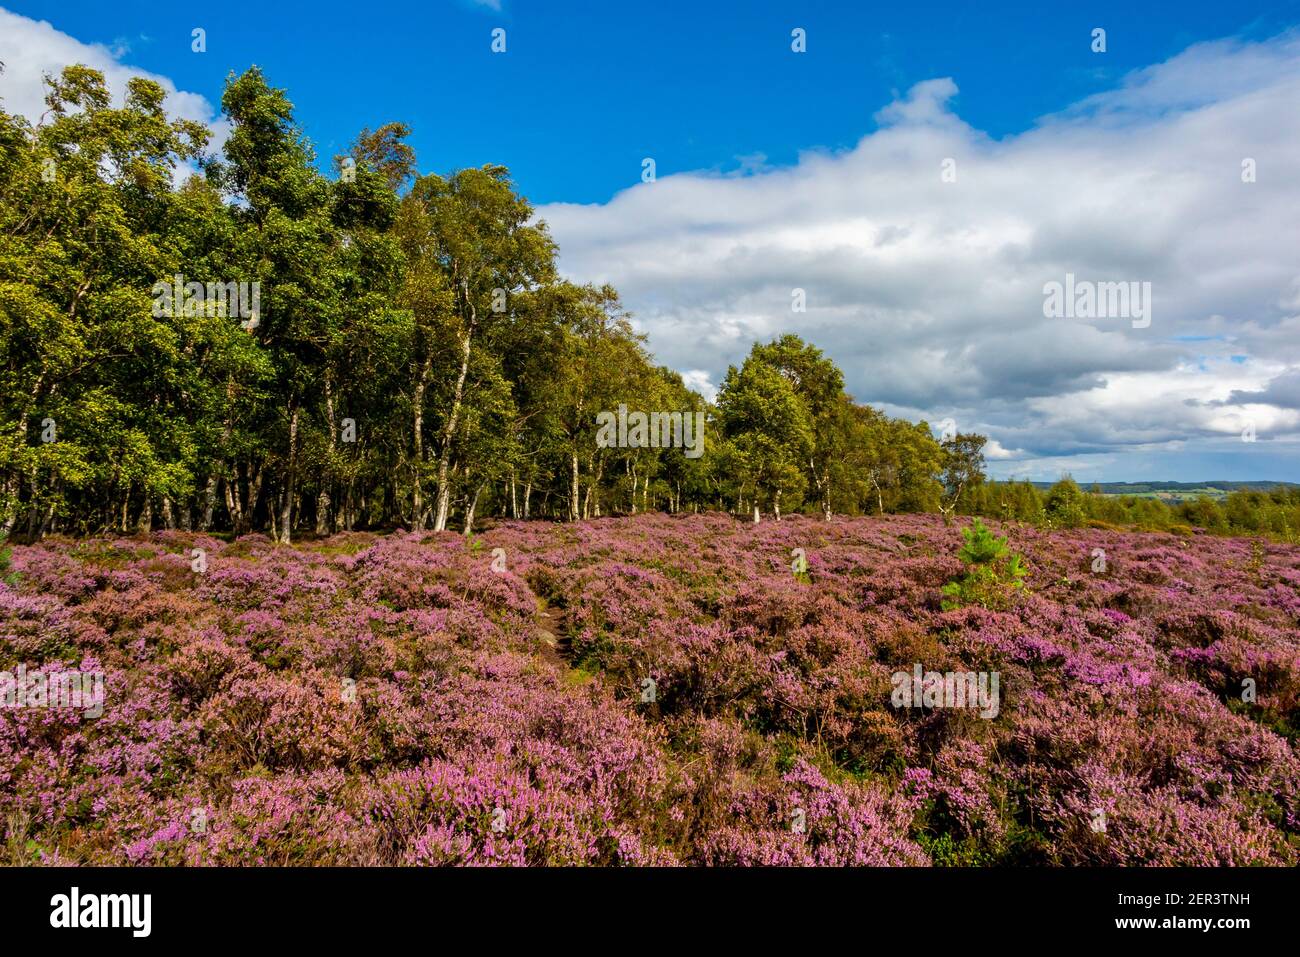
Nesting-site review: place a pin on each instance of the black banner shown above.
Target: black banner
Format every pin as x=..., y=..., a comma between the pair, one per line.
x=135, y=907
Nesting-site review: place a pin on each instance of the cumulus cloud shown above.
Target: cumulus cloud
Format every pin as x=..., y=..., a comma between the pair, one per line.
x=31, y=49
x=1282, y=392
x=701, y=382
x=930, y=293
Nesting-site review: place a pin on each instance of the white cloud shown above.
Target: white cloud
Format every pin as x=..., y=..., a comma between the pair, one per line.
x=993, y=451
x=31, y=49
x=929, y=294
x=701, y=382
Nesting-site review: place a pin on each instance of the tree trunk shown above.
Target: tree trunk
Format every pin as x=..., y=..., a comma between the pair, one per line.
x=254, y=496
x=444, y=455
x=286, y=505
x=322, y=513
x=469, y=511
x=417, y=442
x=573, y=485
x=12, y=481
x=41, y=519
x=230, y=488
x=10, y=502
x=209, y=503
x=327, y=475
x=756, y=515
x=210, y=491
x=952, y=508
x=233, y=505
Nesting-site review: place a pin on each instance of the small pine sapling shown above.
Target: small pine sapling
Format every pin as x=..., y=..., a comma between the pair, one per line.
x=993, y=571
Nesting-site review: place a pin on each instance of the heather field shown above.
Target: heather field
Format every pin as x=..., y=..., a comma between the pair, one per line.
x=376, y=699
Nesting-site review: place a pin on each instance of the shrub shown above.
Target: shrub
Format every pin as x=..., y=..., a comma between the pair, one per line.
x=6, y=554
x=394, y=703
x=993, y=571
x=1064, y=504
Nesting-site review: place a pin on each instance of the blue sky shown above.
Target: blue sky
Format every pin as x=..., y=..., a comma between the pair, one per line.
x=587, y=89
x=820, y=172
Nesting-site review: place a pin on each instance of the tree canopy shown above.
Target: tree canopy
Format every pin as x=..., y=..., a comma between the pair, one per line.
x=367, y=348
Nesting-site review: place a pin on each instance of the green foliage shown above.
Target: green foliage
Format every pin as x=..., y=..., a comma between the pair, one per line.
x=1273, y=512
x=771, y=433
x=993, y=572
x=1205, y=513
x=792, y=437
x=416, y=357
x=1064, y=505
x=427, y=311
x=6, y=555
x=947, y=851
x=963, y=469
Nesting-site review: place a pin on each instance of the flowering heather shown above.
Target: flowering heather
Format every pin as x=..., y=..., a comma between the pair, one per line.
x=653, y=690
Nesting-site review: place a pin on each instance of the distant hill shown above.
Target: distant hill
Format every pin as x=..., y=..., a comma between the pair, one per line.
x=1174, y=491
